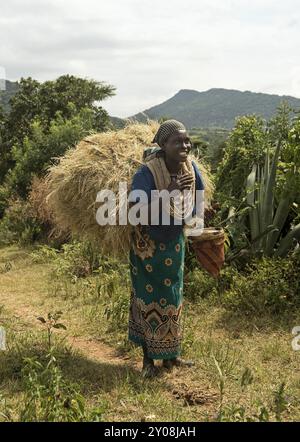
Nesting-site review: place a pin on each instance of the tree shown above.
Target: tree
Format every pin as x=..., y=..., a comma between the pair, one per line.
x=36, y=152
x=41, y=101
x=245, y=146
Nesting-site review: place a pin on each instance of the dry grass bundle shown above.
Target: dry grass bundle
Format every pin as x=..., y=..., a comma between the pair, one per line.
x=99, y=162
x=37, y=199
x=42, y=211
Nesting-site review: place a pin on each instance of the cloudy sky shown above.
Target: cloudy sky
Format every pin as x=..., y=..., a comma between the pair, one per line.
x=150, y=49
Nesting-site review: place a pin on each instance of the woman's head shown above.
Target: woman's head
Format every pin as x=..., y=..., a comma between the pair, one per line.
x=173, y=139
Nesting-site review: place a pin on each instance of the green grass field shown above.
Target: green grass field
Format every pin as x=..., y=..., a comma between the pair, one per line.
x=245, y=368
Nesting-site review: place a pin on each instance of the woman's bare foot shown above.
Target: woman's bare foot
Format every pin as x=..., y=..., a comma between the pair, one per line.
x=149, y=370
x=168, y=363
x=178, y=362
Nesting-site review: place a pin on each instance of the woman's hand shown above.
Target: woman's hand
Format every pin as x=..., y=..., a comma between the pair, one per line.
x=183, y=182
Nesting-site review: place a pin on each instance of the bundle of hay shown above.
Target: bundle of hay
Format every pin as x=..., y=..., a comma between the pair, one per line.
x=37, y=198
x=101, y=161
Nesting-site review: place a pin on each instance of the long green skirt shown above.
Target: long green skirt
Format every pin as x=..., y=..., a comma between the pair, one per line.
x=157, y=298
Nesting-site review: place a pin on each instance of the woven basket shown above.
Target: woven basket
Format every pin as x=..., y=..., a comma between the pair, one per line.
x=209, y=249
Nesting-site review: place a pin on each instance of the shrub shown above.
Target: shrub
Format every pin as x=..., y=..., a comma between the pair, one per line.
x=35, y=153
x=200, y=284
x=245, y=145
x=4, y=198
x=74, y=260
x=50, y=397
x=19, y=225
x=269, y=285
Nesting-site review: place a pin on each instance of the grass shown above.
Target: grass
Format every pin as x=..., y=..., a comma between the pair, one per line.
x=245, y=366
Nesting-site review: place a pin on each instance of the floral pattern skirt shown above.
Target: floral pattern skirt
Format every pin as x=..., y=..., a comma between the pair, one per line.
x=157, y=296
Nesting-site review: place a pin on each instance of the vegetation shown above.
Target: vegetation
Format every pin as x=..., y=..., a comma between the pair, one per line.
x=257, y=186
x=38, y=103
x=11, y=88
x=237, y=329
x=64, y=302
x=216, y=108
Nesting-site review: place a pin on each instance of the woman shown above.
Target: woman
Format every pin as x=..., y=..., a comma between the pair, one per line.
x=157, y=253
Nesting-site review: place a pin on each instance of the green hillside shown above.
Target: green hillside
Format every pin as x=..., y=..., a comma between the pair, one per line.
x=216, y=107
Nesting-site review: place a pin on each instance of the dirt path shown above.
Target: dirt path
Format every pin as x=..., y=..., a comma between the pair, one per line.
x=23, y=293
x=92, y=348
x=98, y=351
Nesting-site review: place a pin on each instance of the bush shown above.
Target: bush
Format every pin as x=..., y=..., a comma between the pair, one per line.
x=245, y=146
x=269, y=285
x=200, y=284
x=43, y=376
x=37, y=152
x=19, y=225
x=74, y=260
x=50, y=397
x=4, y=197
x=115, y=286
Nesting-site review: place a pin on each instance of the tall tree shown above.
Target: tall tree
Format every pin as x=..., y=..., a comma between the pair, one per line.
x=67, y=95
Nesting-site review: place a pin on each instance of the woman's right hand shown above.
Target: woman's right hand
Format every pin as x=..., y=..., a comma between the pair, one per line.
x=183, y=182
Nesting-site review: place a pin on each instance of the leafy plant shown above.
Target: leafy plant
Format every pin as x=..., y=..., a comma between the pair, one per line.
x=244, y=146
x=116, y=300
x=49, y=397
x=52, y=323
x=44, y=254
x=18, y=224
x=34, y=101
x=267, y=219
x=266, y=223
x=261, y=289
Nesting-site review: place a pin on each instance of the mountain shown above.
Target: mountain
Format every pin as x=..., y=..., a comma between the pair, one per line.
x=10, y=90
x=215, y=107
x=117, y=122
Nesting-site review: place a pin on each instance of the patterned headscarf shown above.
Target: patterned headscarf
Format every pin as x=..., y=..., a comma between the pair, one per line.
x=166, y=129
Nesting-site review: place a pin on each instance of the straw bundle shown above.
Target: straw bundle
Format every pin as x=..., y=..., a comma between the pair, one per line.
x=41, y=211
x=100, y=161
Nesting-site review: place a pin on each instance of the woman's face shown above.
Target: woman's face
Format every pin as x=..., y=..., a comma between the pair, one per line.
x=178, y=146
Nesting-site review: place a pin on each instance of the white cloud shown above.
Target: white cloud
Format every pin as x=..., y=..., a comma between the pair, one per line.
x=150, y=49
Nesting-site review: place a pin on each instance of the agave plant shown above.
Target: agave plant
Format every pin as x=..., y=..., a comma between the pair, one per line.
x=266, y=222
